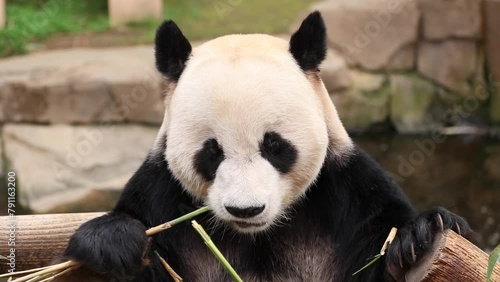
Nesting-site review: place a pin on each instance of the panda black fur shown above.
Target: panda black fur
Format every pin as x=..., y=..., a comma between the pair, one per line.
x=324, y=233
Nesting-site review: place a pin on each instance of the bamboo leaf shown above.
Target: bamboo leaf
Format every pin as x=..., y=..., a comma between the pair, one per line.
x=388, y=241
x=492, y=261
x=377, y=257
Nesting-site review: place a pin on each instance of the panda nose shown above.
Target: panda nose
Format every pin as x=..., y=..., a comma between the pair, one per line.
x=245, y=212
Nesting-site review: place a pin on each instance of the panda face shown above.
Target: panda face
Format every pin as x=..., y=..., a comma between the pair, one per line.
x=248, y=121
x=246, y=132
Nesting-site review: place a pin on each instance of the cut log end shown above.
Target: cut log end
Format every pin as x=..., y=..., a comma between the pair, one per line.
x=452, y=258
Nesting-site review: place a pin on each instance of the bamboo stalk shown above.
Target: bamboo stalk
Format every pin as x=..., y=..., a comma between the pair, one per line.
x=452, y=258
x=66, y=271
x=66, y=266
x=53, y=268
x=169, y=269
x=210, y=244
x=8, y=274
x=169, y=224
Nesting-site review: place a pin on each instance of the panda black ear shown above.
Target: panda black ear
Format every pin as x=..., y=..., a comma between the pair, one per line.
x=308, y=44
x=172, y=50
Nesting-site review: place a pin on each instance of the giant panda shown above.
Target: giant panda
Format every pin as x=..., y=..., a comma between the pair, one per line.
x=249, y=130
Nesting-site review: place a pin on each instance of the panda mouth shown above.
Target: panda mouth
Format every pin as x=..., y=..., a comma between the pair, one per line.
x=244, y=224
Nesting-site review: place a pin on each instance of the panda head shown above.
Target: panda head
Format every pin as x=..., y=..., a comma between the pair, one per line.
x=248, y=121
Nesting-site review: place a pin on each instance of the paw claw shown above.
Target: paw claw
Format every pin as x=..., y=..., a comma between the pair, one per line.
x=400, y=259
x=458, y=228
x=413, y=256
x=440, y=221
x=415, y=238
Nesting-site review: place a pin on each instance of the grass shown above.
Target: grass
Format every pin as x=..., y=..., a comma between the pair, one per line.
x=31, y=21
x=210, y=18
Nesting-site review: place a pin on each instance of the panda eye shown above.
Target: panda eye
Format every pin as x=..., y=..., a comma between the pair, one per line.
x=215, y=150
x=280, y=152
x=208, y=159
x=271, y=145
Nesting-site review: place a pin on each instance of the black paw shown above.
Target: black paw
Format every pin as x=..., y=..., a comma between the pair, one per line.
x=416, y=238
x=112, y=243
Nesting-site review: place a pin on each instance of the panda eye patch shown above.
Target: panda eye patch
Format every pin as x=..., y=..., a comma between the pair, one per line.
x=280, y=152
x=208, y=159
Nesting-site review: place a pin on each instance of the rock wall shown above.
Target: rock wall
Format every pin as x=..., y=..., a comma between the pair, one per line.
x=81, y=86
x=77, y=123
x=413, y=65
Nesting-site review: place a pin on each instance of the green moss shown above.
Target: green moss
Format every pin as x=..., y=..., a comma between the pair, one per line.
x=383, y=93
x=361, y=111
x=411, y=101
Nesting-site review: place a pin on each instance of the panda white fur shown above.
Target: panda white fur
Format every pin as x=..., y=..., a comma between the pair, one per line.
x=250, y=130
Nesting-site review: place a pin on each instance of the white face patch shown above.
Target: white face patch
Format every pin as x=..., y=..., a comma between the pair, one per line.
x=246, y=129
x=242, y=184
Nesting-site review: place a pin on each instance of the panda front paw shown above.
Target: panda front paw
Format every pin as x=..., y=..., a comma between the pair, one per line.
x=416, y=238
x=113, y=243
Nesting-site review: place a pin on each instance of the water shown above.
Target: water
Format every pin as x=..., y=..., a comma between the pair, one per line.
x=459, y=173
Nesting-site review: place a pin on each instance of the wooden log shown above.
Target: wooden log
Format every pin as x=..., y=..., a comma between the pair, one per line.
x=37, y=238
x=452, y=258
